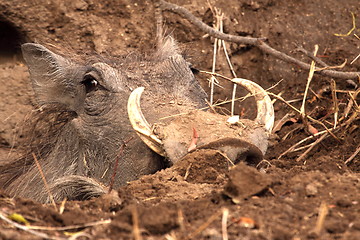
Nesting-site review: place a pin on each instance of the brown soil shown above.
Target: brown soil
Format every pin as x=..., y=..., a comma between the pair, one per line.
x=188, y=200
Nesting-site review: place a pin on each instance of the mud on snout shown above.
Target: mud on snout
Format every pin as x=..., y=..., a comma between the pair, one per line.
x=243, y=140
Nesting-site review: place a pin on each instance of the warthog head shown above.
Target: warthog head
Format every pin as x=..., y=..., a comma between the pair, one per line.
x=82, y=126
x=82, y=123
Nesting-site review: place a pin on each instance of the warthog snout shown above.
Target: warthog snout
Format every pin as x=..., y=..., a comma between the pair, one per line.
x=245, y=140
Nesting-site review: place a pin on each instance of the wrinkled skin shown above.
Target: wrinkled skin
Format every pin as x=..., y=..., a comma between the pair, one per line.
x=80, y=159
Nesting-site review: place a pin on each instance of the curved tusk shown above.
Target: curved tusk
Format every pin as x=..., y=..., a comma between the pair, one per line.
x=265, y=109
x=139, y=123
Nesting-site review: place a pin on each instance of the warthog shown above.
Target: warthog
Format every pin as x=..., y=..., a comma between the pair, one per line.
x=82, y=127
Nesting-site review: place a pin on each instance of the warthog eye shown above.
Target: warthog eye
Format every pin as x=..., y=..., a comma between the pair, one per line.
x=90, y=83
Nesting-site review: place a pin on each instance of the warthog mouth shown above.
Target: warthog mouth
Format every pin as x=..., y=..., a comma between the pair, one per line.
x=264, y=118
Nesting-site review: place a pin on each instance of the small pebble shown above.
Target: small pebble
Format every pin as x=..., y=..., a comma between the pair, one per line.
x=311, y=189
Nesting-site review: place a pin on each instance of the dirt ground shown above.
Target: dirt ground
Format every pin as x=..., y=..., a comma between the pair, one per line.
x=315, y=197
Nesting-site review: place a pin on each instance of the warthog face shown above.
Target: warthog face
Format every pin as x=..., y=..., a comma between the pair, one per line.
x=83, y=124
x=242, y=140
x=90, y=108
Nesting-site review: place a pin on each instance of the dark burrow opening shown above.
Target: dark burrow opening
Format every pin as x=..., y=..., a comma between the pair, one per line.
x=11, y=39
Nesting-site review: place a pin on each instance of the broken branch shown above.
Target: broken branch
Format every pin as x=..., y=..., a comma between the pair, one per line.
x=257, y=42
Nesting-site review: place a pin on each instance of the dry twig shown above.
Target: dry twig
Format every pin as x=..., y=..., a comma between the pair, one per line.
x=323, y=211
x=122, y=147
x=220, y=17
x=311, y=55
x=27, y=229
x=351, y=30
x=215, y=50
x=311, y=74
x=135, y=220
x=356, y=58
x=302, y=156
x=71, y=227
x=224, y=223
x=335, y=102
x=187, y=171
x=310, y=118
x=353, y=155
x=45, y=182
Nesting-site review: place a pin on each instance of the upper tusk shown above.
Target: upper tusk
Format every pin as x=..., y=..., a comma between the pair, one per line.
x=265, y=109
x=139, y=123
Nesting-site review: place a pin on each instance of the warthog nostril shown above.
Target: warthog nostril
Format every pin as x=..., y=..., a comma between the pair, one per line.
x=237, y=150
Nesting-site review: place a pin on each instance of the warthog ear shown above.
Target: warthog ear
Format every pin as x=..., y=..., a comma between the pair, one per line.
x=53, y=76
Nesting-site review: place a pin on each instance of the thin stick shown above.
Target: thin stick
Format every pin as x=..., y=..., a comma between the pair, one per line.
x=159, y=24
x=303, y=147
x=332, y=67
x=216, y=74
x=311, y=74
x=335, y=101
x=62, y=206
x=230, y=65
x=213, y=79
x=26, y=229
x=187, y=171
x=122, y=147
x=181, y=219
x=323, y=211
x=302, y=156
x=353, y=97
x=224, y=224
x=348, y=108
x=351, y=30
x=45, y=182
x=311, y=55
x=353, y=156
x=135, y=219
x=257, y=42
x=91, y=224
x=312, y=119
x=216, y=83
x=292, y=148
x=226, y=158
x=356, y=58
x=223, y=102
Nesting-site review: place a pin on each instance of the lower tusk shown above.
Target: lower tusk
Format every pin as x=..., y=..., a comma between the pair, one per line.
x=265, y=109
x=139, y=123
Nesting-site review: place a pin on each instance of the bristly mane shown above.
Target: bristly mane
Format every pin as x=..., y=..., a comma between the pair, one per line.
x=41, y=129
